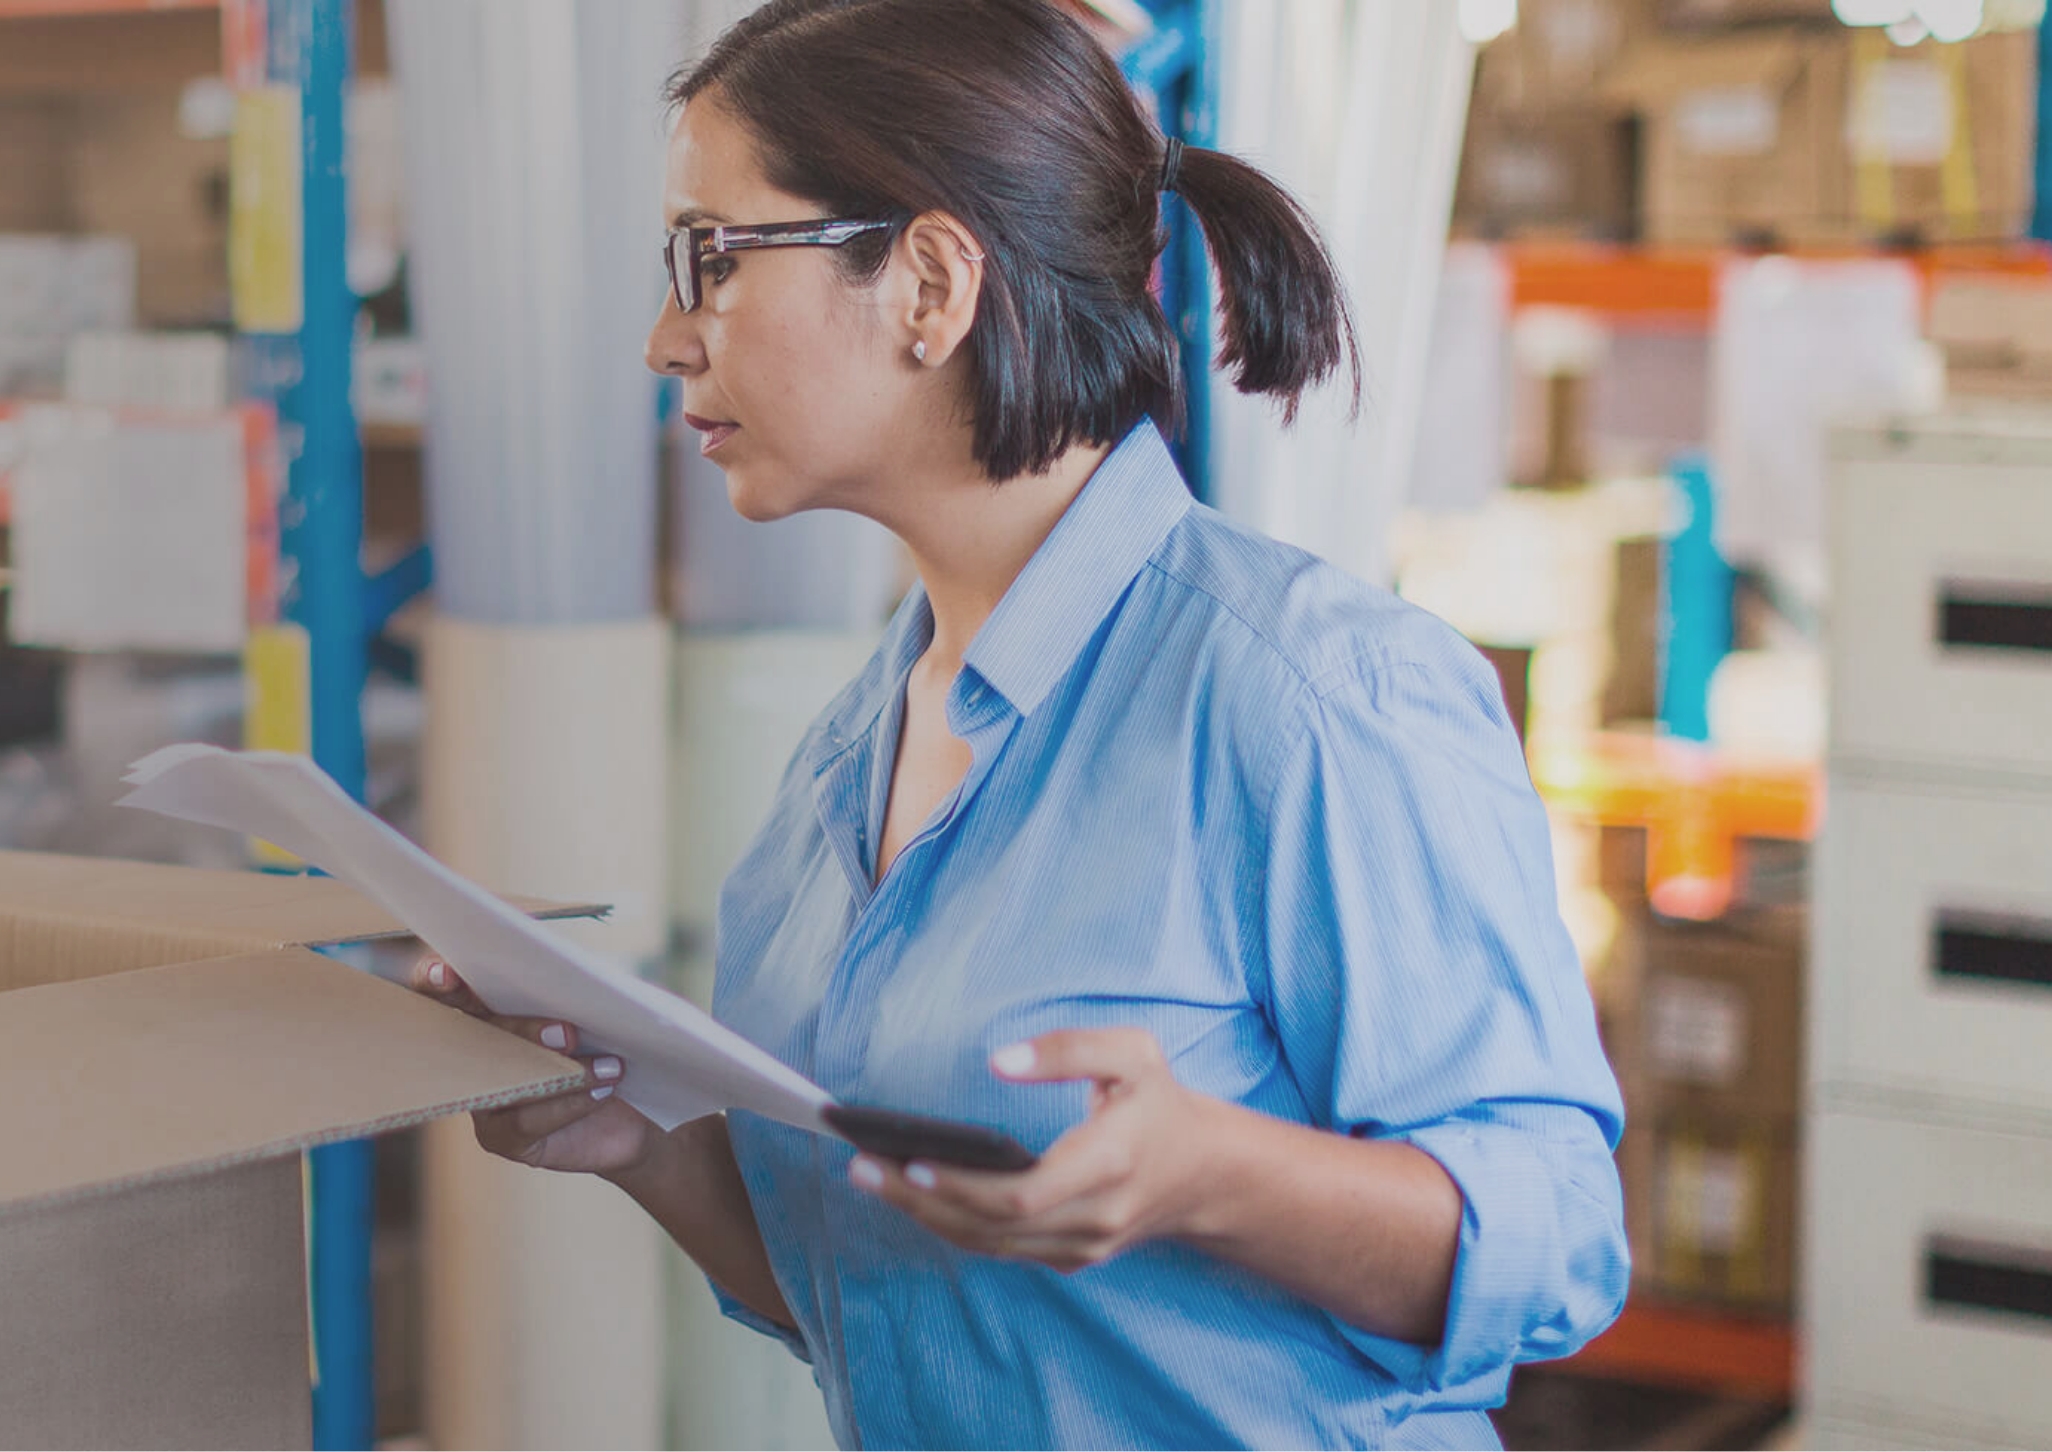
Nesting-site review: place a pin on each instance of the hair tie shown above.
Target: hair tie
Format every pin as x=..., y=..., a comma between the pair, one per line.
x=1171, y=164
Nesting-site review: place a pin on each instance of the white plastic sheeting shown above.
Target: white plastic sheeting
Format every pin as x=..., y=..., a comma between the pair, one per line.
x=1798, y=346
x=534, y=140
x=1358, y=107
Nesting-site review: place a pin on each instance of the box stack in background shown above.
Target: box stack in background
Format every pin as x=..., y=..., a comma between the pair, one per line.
x=1757, y=122
x=1547, y=152
x=1927, y=1283
x=1703, y=1021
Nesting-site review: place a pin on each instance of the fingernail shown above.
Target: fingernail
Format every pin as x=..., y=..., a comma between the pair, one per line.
x=605, y=1067
x=920, y=1175
x=555, y=1036
x=604, y=1091
x=1013, y=1059
x=866, y=1173
x=438, y=973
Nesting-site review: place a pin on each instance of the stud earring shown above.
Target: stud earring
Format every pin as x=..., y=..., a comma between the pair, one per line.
x=919, y=350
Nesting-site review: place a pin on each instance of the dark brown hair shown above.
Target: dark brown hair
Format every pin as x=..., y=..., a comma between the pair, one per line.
x=1007, y=115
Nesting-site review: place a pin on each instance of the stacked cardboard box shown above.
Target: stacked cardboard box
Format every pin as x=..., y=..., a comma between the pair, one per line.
x=1796, y=135
x=1753, y=121
x=1546, y=153
x=1711, y=1067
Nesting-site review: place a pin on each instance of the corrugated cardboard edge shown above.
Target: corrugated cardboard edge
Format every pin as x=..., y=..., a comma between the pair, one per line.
x=541, y=911
x=277, y=1149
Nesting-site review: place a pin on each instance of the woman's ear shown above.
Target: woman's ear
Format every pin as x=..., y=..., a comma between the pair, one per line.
x=946, y=264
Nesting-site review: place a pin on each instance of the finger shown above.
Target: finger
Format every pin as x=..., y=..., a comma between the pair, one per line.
x=1107, y=1055
x=1076, y=1236
x=1090, y=1159
x=525, y=1125
x=433, y=976
x=951, y=1222
x=550, y=1033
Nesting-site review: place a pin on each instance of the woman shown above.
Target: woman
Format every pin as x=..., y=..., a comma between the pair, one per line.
x=1210, y=873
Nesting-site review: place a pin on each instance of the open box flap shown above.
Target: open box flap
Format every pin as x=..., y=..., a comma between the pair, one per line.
x=176, y=1070
x=260, y=909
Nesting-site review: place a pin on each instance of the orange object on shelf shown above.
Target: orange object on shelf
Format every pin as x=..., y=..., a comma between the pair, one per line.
x=1682, y=1347
x=1694, y=802
x=1678, y=286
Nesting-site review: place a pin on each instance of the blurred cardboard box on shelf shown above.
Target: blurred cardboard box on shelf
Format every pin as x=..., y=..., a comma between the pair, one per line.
x=1741, y=134
x=1545, y=153
x=1711, y=14
x=1823, y=136
x=1566, y=174
x=1996, y=335
x=1559, y=54
x=1710, y=1210
x=1631, y=691
x=169, y=1045
x=1715, y=1014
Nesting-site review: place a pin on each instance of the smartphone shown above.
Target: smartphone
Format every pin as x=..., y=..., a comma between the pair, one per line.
x=890, y=1135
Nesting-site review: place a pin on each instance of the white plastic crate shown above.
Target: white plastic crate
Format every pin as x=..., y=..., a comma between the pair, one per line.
x=1928, y=1285
x=1941, y=579
x=1932, y=973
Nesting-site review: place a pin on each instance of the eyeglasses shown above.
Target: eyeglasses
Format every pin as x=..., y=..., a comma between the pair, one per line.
x=685, y=247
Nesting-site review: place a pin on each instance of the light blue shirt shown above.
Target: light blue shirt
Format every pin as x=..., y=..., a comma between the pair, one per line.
x=1224, y=792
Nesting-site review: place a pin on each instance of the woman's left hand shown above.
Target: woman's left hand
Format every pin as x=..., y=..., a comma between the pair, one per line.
x=1128, y=1173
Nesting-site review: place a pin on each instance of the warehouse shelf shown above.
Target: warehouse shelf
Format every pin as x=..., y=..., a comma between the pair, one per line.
x=1695, y=1349
x=1678, y=286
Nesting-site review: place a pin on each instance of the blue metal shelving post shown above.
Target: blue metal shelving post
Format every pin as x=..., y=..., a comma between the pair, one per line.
x=2041, y=213
x=300, y=352
x=1176, y=68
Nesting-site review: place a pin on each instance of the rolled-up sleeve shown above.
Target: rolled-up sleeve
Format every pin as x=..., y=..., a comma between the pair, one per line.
x=1425, y=990
x=735, y=1310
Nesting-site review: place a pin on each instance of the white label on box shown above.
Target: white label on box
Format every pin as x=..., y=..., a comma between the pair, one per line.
x=1696, y=1030
x=1724, y=1201
x=1901, y=114
x=1528, y=177
x=1728, y=121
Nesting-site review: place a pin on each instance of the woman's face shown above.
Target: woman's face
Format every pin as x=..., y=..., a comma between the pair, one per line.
x=801, y=388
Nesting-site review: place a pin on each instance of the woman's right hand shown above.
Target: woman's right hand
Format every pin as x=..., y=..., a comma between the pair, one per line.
x=589, y=1128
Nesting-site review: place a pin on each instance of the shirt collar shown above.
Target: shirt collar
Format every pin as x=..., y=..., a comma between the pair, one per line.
x=1097, y=549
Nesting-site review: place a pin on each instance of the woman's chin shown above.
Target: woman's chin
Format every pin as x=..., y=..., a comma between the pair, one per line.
x=757, y=500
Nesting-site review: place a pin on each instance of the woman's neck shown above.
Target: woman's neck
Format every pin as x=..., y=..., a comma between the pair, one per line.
x=969, y=539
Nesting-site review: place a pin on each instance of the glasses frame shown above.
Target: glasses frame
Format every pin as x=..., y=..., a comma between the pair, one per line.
x=700, y=243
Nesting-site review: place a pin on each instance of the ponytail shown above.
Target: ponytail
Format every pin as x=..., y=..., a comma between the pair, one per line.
x=1007, y=116
x=1284, y=321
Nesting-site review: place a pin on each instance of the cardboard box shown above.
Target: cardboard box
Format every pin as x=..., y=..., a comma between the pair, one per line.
x=1715, y=1013
x=1741, y=136
x=1559, y=55
x=1996, y=334
x=168, y=1044
x=1570, y=174
x=1711, y=14
x=1823, y=136
x=1710, y=1210
x=1631, y=692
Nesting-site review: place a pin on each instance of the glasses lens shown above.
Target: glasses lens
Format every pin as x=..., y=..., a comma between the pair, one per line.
x=677, y=255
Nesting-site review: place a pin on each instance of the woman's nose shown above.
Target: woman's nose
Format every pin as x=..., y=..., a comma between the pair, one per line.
x=674, y=347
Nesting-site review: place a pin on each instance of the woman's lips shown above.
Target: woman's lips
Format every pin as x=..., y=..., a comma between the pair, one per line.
x=711, y=432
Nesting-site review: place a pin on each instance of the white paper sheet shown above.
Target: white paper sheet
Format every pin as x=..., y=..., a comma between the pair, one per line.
x=680, y=1063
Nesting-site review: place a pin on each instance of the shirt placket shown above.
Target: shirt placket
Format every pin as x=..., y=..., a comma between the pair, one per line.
x=873, y=947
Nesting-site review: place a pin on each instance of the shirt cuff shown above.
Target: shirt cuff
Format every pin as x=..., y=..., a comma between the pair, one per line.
x=1526, y=1287
x=733, y=1310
